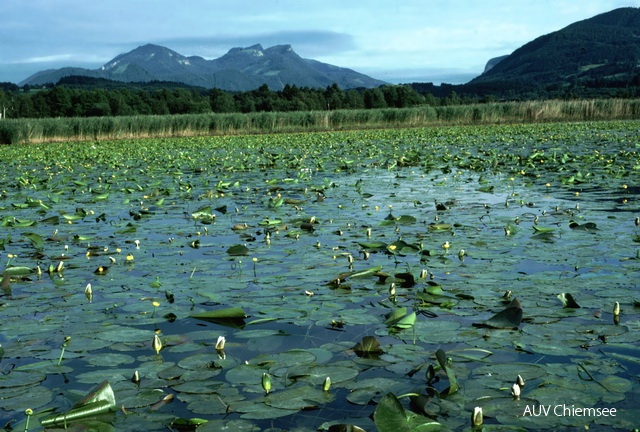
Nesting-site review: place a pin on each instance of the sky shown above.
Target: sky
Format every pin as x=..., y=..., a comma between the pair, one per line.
x=392, y=40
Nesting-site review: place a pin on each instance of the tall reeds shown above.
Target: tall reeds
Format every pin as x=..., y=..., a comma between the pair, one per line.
x=14, y=131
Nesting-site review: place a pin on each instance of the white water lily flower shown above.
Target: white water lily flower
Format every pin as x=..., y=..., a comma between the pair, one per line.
x=220, y=343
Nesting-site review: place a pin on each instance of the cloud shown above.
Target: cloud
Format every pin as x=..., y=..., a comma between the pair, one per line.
x=46, y=59
x=307, y=43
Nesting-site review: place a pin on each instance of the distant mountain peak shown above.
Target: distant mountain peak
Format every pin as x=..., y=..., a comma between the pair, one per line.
x=240, y=69
x=254, y=50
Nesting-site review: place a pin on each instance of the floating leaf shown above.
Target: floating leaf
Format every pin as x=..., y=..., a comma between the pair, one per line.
x=369, y=345
x=406, y=280
x=373, y=245
x=406, y=220
x=18, y=271
x=345, y=428
x=203, y=213
x=101, y=400
x=509, y=318
x=400, y=318
x=390, y=416
x=568, y=301
x=486, y=189
x=191, y=424
x=303, y=397
x=587, y=226
x=231, y=317
x=36, y=240
x=441, y=356
x=439, y=227
x=270, y=222
x=238, y=250
x=542, y=230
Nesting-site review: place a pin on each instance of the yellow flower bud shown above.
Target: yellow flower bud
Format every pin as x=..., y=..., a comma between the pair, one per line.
x=266, y=382
x=327, y=384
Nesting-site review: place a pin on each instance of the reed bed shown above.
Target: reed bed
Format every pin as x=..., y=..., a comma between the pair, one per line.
x=17, y=131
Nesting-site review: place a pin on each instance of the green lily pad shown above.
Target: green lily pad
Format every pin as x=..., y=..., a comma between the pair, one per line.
x=297, y=398
x=238, y=250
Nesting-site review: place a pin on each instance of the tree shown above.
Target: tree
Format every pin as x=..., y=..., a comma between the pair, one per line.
x=374, y=98
x=5, y=103
x=334, y=97
x=221, y=101
x=353, y=99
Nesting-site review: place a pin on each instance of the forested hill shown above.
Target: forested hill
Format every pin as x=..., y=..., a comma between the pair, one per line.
x=600, y=52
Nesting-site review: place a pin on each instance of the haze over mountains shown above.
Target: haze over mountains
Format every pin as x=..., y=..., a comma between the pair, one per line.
x=241, y=69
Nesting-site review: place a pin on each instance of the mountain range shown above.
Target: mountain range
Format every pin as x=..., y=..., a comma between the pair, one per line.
x=240, y=69
x=602, y=50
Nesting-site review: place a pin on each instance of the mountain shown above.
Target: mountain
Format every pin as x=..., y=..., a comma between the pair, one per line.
x=492, y=62
x=240, y=69
x=603, y=50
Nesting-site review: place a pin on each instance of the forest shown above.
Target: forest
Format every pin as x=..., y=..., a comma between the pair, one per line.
x=72, y=97
x=94, y=97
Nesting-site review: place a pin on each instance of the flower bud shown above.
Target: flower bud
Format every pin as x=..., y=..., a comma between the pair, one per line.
x=88, y=292
x=220, y=343
x=476, y=417
x=327, y=384
x=157, y=344
x=515, y=391
x=266, y=382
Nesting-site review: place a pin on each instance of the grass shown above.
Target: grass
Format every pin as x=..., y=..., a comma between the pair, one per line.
x=19, y=131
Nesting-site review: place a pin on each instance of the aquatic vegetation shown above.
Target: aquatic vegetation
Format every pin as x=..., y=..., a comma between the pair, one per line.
x=323, y=281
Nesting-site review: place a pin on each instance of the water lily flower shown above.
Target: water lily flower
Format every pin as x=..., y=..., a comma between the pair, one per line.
x=520, y=381
x=266, y=382
x=515, y=391
x=476, y=417
x=327, y=384
x=88, y=292
x=157, y=344
x=616, y=309
x=28, y=412
x=136, y=377
x=220, y=343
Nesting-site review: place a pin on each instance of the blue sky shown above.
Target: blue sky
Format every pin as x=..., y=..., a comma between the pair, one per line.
x=392, y=40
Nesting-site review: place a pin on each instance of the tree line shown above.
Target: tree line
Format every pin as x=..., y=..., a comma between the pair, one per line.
x=96, y=97
x=67, y=100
